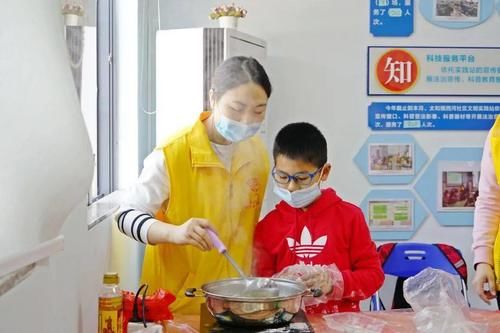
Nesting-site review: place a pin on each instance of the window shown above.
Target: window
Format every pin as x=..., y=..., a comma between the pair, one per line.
x=90, y=46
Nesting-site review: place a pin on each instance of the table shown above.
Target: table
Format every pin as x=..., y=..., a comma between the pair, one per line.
x=395, y=321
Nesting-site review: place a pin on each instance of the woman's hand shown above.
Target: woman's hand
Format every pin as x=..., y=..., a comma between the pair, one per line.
x=192, y=232
x=484, y=274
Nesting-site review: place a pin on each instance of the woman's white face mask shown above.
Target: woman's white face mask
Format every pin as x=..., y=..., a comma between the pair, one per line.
x=239, y=112
x=235, y=131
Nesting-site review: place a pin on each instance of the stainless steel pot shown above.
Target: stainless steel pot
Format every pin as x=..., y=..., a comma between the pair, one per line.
x=230, y=305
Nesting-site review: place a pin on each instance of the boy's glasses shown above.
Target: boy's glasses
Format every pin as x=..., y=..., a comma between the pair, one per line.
x=300, y=178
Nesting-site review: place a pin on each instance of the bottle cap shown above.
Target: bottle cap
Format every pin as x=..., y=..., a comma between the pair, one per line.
x=111, y=278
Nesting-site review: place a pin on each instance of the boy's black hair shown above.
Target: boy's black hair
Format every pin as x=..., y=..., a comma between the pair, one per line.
x=301, y=141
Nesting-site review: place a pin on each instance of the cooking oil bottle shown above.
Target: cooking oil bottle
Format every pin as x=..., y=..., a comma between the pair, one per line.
x=110, y=305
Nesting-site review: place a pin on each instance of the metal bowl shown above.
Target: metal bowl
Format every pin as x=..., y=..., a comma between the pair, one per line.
x=228, y=302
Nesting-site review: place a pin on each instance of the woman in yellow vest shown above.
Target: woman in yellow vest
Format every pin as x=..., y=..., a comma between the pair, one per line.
x=211, y=175
x=486, y=232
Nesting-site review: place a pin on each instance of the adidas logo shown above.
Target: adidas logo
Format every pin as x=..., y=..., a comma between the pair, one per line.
x=306, y=248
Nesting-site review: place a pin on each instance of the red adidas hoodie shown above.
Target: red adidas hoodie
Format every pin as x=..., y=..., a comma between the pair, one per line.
x=329, y=231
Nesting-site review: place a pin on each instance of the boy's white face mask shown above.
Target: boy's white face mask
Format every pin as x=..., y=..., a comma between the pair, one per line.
x=300, y=198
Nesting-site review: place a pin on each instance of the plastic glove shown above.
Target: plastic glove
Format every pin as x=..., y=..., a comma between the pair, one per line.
x=327, y=278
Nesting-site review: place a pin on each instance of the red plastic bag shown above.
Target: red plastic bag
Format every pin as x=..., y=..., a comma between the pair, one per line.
x=156, y=308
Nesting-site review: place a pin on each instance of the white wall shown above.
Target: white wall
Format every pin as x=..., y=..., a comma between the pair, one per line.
x=60, y=295
x=317, y=64
x=90, y=12
x=45, y=175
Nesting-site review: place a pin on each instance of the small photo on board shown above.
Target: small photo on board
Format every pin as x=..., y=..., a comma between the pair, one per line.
x=390, y=215
x=457, y=10
x=458, y=185
x=390, y=159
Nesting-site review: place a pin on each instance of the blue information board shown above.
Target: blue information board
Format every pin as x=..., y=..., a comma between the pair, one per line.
x=391, y=18
x=432, y=116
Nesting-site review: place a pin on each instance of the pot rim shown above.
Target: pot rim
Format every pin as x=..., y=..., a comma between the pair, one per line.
x=247, y=299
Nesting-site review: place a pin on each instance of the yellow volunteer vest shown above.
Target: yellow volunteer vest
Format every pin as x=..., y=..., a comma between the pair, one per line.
x=201, y=187
x=495, y=154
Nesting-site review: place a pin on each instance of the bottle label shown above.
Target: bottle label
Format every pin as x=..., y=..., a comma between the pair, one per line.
x=110, y=315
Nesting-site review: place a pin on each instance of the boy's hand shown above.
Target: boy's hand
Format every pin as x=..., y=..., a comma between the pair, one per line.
x=484, y=274
x=293, y=272
x=327, y=278
x=318, y=278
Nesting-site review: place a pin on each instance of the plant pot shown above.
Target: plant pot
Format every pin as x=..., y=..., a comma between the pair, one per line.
x=71, y=20
x=228, y=22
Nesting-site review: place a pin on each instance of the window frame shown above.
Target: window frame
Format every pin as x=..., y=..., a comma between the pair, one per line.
x=106, y=113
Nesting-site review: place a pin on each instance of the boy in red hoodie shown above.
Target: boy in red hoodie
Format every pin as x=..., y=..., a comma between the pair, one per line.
x=313, y=235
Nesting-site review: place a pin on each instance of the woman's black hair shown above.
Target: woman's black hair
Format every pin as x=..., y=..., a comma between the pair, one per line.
x=236, y=71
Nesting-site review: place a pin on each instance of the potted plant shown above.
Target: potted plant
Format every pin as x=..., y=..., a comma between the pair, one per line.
x=72, y=13
x=228, y=15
